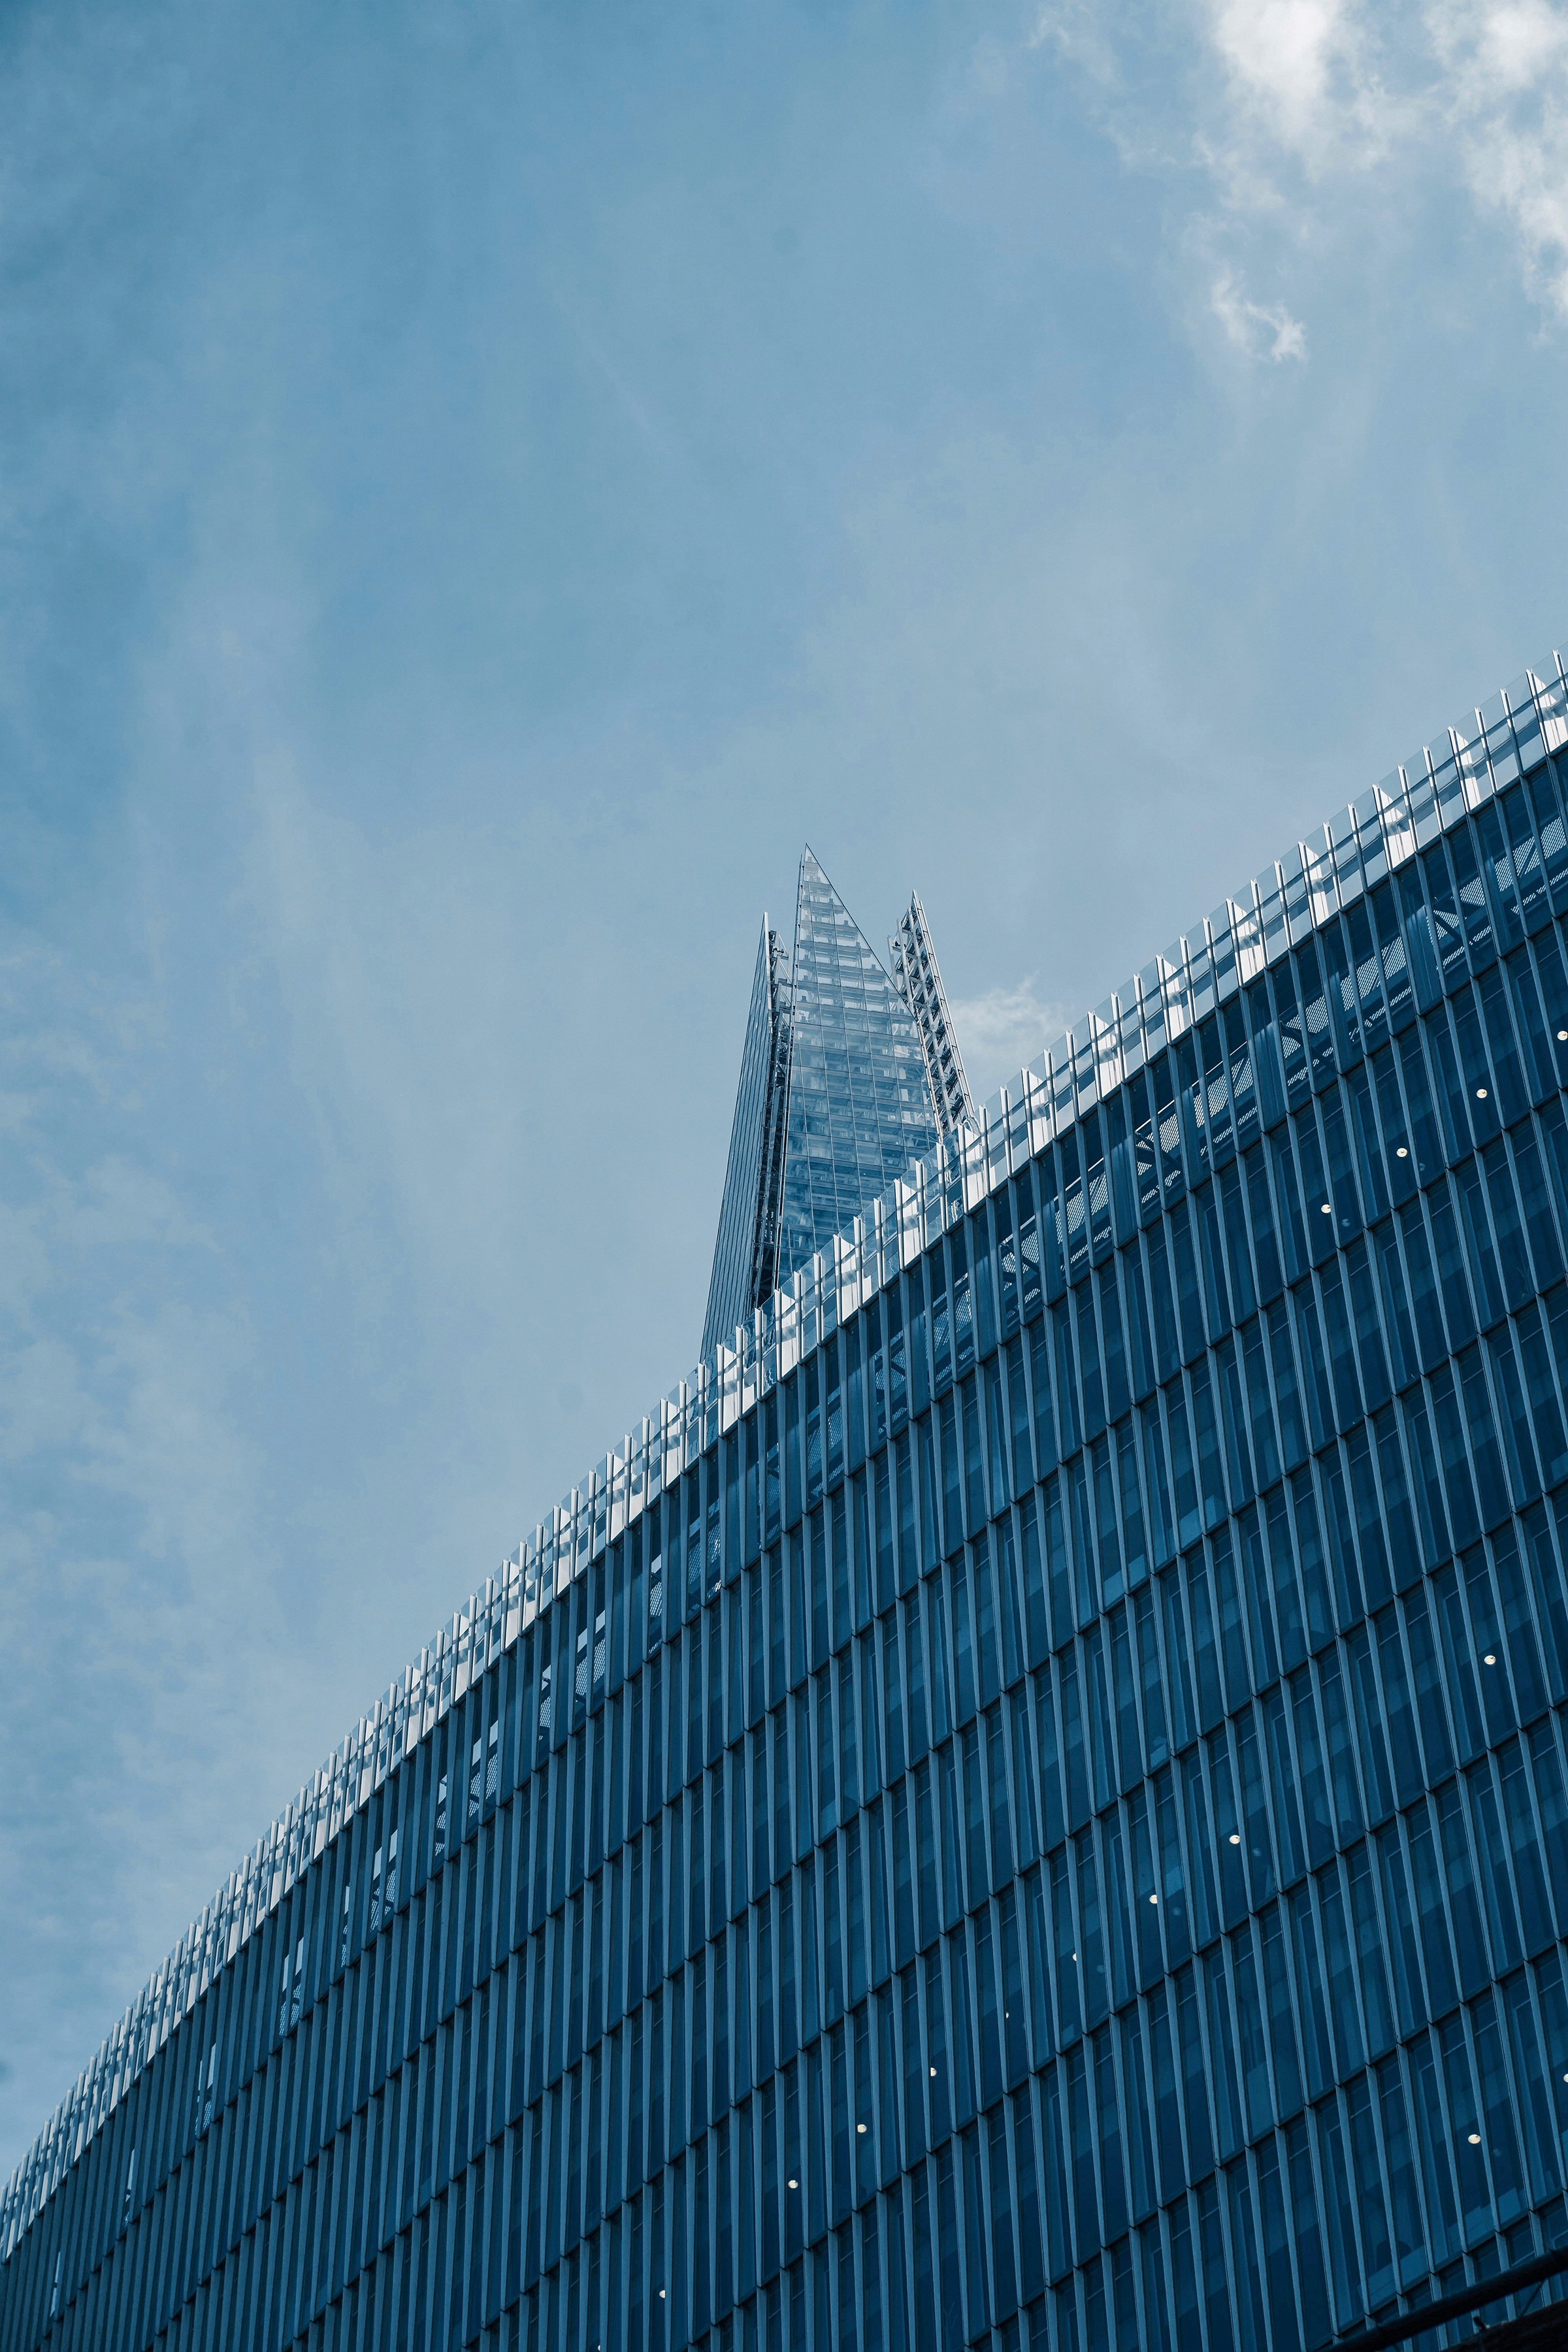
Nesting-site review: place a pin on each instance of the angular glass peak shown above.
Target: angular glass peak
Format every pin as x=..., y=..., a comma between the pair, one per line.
x=835, y=1101
x=917, y=976
x=748, y=1214
x=859, y=1107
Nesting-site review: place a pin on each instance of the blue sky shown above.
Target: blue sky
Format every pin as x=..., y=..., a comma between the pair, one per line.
x=480, y=487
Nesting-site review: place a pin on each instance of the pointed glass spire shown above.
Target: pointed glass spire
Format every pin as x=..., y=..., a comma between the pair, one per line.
x=834, y=1103
x=747, y=1245
x=917, y=976
x=860, y=1108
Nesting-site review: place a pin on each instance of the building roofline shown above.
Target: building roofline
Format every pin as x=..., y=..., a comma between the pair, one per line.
x=1358, y=847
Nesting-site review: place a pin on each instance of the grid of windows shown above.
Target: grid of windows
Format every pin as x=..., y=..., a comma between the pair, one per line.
x=860, y=1108
x=917, y=977
x=1065, y=1793
x=833, y=1107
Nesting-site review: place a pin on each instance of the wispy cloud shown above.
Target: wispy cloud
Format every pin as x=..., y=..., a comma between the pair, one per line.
x=1504, y=71
x=1002, y=1029
x=1300, y=107
x=1261, y=329
x=1340, y=90
x=1082, y=33
x=1303, y=74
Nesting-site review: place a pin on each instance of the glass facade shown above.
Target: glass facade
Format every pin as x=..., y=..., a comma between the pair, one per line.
x=918, y=979
x=745, y=1255
x=1028, y=1805
x=834, y=1103
x=859, y=1110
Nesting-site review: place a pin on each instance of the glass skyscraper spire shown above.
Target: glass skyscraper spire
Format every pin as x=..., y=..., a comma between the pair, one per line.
x=835, y=1099
x=917, y=977
x=1027, y=1804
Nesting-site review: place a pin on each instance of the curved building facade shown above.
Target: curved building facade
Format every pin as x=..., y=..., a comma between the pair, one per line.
x=1027, y=1806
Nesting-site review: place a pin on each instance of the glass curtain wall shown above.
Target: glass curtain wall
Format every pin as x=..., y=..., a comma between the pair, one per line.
x=833, y=1106
x=1051, y=1829
x=860, y=1108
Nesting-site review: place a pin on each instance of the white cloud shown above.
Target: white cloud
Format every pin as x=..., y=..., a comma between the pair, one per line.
x=1506, y=49
x=1504, y=71
x=1302, y=68
x=1263, y=330
x=1001, y=1030
x=1329, y=86
x=1306, y=114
